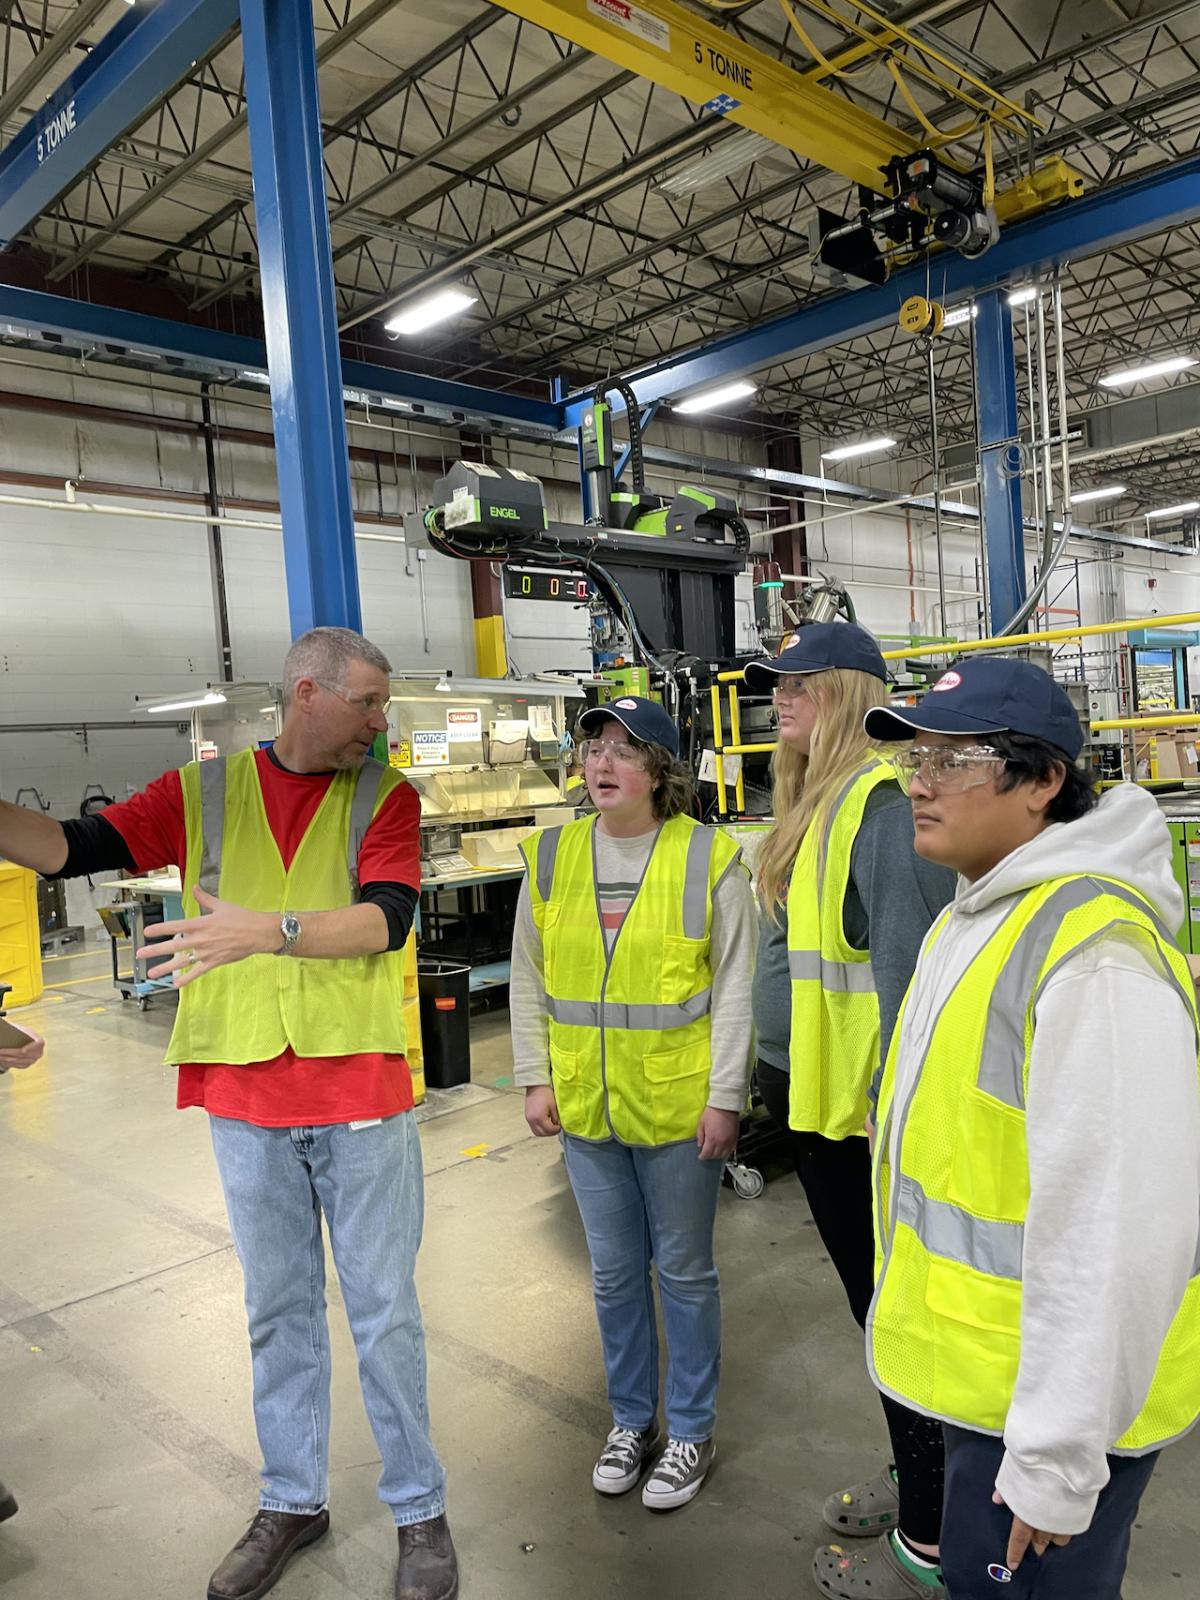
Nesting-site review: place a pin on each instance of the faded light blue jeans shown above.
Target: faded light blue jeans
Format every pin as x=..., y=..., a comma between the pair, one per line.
x=642, y=1205
x=368, y=1183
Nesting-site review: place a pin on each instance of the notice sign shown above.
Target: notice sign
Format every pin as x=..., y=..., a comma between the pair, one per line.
x=430, y=747
x=464, y=724
x=633, y=20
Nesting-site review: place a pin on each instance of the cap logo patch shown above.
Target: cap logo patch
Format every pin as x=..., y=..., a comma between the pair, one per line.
x=626, y=705
x=948, y=680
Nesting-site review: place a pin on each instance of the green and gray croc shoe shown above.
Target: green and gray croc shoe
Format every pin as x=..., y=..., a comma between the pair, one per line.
x=866, y=1510
x=875, y=1574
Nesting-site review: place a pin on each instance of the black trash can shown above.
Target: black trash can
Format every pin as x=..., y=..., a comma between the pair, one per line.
x=445, y=990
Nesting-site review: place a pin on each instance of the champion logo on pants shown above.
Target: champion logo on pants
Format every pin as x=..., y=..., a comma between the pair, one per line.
x=999, y=1574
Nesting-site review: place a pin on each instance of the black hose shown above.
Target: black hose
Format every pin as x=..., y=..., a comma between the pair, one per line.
x=637, y=464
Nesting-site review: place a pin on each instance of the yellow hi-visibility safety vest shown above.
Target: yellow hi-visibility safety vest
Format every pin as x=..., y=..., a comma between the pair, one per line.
x=835, y=1011
x=944, y=1332
x=630, y=1028
x=253, y=1009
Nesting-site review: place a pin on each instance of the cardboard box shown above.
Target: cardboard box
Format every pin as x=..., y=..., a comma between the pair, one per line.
x=495, y=849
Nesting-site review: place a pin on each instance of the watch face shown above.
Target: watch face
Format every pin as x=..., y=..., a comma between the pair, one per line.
x=291, y=927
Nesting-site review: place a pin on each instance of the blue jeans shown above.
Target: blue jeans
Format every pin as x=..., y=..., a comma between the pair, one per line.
x=975, y=1532
x=368, y=1183
x=640, y=1205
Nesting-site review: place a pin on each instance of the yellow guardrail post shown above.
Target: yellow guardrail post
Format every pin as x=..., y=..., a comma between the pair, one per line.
x=735, y=733
x=718, y=750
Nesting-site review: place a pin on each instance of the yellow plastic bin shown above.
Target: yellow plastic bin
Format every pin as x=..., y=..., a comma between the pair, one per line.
x=20, y=935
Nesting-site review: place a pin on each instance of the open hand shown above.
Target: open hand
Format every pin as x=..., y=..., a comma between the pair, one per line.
x=717, y=1134
x=224, y=934
x=1023, y=1535
x=541, y=1111
x=26, y=1055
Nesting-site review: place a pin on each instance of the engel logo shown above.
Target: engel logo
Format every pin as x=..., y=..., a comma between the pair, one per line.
x=948, y=680
x=626, y=705
x=999, y=1573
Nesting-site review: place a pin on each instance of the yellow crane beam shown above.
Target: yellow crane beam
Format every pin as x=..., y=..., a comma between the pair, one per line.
x=661, y=42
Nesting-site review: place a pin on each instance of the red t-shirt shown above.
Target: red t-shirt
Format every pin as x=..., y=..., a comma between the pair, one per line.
x=292, y=1091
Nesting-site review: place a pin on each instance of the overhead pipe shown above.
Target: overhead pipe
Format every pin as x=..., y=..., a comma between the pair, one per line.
x=31, y=502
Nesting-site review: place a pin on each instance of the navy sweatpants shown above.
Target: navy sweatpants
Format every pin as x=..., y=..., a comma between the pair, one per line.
x=975, y=1532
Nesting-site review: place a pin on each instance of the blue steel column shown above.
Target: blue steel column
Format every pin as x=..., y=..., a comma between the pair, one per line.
x=303, y=359
x=999, y=457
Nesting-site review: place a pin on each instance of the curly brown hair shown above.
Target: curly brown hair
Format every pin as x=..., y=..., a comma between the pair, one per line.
x=673, y=793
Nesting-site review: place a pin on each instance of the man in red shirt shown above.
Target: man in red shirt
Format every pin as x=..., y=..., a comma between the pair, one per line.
x=290, y=1035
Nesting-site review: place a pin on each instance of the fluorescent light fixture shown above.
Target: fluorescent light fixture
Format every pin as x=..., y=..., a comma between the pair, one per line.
x=211, y=697
x=711, y=399
x=253, y=377
x=960, y=314
x=731, y=155
x=266, y=711
x=1183, y=510
x=1108, y=491
x=1022, y=297
x=427, y=313
x=865, y=447
x=395, y=405
x=1153, y=369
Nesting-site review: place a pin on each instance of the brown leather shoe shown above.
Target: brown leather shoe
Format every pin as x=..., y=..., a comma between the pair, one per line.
x=256, y=1562
x=428, y=1567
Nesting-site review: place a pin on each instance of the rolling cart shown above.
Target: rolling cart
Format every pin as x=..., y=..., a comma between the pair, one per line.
x=149, y=900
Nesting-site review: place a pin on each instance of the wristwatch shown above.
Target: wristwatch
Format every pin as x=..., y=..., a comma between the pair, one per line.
x=289, y=927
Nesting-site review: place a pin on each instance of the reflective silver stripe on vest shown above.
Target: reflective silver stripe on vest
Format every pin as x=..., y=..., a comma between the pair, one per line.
x=547, y=852
x=212, y=823
x=695, y=882
x=835, y=977
x=839, y=800
x=636, y=1018
x=1002, y=1061
x=991, y=1247
x=362, y=810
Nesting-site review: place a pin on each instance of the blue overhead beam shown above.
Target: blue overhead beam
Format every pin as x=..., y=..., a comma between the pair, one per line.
x=220, y=357
x=1101, y=221
x=112, y=89
x=999, y=456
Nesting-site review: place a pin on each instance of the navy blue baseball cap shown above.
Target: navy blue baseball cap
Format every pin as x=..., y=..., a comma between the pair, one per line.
x=817, y=648
x=644, y=719
x=989, y=694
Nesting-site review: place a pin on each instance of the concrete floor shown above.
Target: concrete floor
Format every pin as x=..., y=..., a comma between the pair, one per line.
x=126, y=1429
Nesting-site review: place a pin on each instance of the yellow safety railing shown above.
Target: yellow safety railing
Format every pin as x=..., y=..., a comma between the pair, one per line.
x=1175, y=719
x=1050, y=636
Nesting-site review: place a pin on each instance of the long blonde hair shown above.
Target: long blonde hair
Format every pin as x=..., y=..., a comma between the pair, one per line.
x=804, y=785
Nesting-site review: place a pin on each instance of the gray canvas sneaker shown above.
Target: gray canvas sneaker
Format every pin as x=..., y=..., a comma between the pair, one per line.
x=624, y=1458
x=678, y=1474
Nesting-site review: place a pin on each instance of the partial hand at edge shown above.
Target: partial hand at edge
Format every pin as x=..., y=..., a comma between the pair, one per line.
x=1023, y=1535
x=717, y=1134
x=541, y=1111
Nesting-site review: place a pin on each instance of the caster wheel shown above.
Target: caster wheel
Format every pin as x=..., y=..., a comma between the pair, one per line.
x=748, y=1183
x=143, y=1004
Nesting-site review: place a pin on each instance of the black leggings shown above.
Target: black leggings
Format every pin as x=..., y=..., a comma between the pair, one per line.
x=836, y=1176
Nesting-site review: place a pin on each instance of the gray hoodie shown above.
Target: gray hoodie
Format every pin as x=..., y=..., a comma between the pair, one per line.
x=1113, y=1130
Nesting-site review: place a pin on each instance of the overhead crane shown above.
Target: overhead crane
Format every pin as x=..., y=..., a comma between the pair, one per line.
x=802, y=111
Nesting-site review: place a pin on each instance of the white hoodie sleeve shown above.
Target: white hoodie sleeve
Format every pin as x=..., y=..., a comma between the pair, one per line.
x=1113, y=1128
